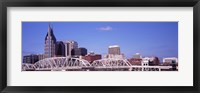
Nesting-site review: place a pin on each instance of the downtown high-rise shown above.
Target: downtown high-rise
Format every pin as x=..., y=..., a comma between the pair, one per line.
x=50, y=43
x=114, y=50
x=69, y=45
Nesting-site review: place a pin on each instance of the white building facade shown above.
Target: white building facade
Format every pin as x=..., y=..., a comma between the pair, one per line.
x=170, y=59
x=69, y=45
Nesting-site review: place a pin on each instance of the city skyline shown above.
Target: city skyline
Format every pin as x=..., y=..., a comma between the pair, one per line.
x=147, y=38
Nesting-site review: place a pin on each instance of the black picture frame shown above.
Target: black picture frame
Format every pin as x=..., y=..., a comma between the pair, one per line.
x=100, y=3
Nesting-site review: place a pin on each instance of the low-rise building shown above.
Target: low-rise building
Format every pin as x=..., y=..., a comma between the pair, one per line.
x=135, y=61
x=150, y=61
x=41, y=56
x=121, y=56
x=30, y=58
x=145, y=61
x=170, y=60
x=76, y=52
x=154, y=61
x=137, y=56
x=92, y=57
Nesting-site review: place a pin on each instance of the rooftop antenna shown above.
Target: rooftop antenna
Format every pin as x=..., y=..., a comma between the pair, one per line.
x=49, y=29
x=50, y=24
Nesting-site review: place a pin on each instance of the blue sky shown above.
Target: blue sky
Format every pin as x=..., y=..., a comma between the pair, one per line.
x=147, y=38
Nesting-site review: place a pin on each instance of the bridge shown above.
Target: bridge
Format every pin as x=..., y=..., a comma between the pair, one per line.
x=76, y=64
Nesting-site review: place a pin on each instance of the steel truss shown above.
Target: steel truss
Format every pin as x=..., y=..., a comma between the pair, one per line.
x=76, y=64
x=111, y=64
x=57, y=63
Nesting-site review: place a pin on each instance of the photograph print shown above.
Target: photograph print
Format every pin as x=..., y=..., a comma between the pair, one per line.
x=99, y=46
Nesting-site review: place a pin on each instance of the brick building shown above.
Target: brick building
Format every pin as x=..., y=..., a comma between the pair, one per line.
x=91, y=57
